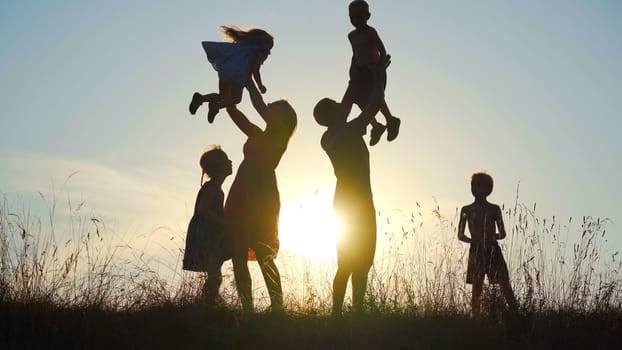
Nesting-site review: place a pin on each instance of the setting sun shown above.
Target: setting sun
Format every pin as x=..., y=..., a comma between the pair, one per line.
x=308, y=226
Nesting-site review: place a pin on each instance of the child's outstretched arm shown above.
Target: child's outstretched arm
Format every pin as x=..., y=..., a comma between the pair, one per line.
x=256, y=99
x=500, y=226
x=255, y=64
x=461, y=226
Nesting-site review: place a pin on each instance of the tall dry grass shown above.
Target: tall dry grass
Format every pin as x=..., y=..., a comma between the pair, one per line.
x=554, y=266
x=86, y=268
x=419, y=268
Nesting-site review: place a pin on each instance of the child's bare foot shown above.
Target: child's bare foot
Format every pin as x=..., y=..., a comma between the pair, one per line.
x=376, y=132
x=211, y=114
x=195, y=103
x=393, y=127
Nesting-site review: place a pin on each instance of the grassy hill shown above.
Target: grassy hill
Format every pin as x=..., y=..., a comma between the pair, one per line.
x=88, y=292
x=32, y=326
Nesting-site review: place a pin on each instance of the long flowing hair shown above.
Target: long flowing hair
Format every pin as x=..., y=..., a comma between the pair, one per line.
x=251, y=36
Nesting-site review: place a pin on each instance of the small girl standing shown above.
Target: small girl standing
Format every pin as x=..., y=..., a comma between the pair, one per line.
x=206, y=244
x=235, y=62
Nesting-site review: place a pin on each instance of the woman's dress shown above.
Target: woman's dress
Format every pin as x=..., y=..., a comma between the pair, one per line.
x=253, y=203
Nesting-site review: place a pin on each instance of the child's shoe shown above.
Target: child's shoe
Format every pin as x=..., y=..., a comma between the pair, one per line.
x=393, y=128
x=376, y=132
x=211, y=114
x=195, y=103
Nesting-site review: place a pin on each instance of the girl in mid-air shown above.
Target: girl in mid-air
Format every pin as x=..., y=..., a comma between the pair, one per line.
x=235, y=62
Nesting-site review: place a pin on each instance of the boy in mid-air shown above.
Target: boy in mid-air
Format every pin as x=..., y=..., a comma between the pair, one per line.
x=485, y=257
x=367, y=50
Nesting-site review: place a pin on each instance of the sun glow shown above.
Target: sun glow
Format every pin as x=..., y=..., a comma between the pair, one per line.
x=308, y=226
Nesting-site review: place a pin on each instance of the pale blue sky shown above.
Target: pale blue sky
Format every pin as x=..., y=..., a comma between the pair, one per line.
x=530, y=91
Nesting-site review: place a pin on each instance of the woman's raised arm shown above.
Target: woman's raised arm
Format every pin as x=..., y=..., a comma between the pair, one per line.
x=245, y=125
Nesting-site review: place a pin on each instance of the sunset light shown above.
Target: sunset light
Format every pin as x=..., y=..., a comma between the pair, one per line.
x=308, y=225
x=168, y=171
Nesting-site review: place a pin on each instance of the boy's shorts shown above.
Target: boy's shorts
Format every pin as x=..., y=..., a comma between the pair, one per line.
x=361, y=84
x=486, y=260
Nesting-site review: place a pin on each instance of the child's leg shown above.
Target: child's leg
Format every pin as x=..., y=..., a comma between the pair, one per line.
x=198, y=100
x=205, y=288
x=377, y=130
x=229, y=94
x=476, y=295
x=340, y=282
x=214, y=280
x=501, y=276
x=375, y=123
x=506, y=289
x=384, y=109
x=393, y=123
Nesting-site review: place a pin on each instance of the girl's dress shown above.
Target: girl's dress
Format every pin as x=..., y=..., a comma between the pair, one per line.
x=230, y=60
x=204, y=239
x=253, y=202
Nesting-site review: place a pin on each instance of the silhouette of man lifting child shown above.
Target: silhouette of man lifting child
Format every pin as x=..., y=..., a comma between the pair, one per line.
x=353, y=202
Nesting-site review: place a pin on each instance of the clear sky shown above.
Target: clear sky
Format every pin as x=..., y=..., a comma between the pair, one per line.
x=530, y=91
